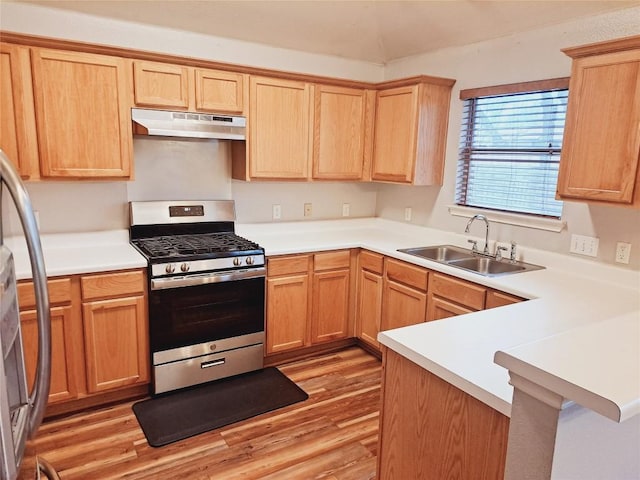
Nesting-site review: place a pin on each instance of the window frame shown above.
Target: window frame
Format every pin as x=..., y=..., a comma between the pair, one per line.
x=547, y=222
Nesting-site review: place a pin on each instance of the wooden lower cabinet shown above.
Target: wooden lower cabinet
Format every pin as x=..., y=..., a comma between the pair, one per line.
x=67, y=375
x=440, y=308
x=287, y=311
x=99, y=334
x=500, y=299
x=309, y=300
x=402, y=306
x=115, y=335
x=450, y=296
x=369, y=307
x=64, y=352
x=430, y=429
x=330, y=312
x=114, y=313
x=404, y=298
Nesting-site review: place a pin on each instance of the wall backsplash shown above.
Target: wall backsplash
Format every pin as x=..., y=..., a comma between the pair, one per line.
x=255, y=200
x=180, y=169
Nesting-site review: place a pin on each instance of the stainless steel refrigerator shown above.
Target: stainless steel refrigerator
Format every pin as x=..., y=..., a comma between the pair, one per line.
x=21, y=411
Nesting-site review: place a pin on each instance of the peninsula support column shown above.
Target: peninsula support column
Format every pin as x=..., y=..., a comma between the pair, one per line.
x=532, y=430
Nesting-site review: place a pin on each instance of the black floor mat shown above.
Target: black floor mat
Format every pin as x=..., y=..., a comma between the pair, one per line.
x=178, y=415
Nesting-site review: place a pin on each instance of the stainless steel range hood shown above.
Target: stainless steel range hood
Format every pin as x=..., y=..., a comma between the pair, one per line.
x=187, y=124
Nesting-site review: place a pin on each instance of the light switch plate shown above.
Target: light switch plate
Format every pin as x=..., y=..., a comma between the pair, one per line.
x=584, y=245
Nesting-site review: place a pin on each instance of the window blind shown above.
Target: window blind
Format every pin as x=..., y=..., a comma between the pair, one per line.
x=510, y=152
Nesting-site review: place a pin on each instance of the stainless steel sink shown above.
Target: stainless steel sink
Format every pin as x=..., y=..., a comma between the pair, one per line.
x=440, y=253
x=460, y=258
x=488, y=266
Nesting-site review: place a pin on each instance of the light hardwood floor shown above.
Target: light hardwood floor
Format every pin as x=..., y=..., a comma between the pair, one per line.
x=333, y=435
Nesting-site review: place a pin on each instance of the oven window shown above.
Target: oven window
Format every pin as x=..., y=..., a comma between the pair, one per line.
x=190, y=315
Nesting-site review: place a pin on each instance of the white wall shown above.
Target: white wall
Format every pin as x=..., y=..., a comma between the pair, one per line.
x=49, y=22
x=522, y=57
x=525, y=56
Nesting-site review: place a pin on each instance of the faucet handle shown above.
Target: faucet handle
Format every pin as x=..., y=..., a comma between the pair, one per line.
x=474, y=248
x=499, y=251
x=512, y=255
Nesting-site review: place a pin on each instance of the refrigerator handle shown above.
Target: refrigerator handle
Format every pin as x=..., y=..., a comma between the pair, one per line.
x=38, y=397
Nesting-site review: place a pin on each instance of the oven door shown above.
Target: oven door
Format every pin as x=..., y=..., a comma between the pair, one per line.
x=195, y=309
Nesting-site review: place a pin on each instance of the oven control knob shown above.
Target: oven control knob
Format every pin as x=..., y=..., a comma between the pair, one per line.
x=170, y=268
x=237, y=262
x=184, y=267
x=249, y=260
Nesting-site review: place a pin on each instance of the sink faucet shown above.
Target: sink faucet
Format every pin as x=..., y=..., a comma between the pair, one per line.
x=486, y=234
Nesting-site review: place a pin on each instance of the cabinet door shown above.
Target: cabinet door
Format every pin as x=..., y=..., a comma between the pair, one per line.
x=402, y=306
x=64, y=384
x=339, y=133
x=369, y=306
x=160, y=85
x=330, y=313
x=394, y=149
x=83, y=114
x=279, y=128
x=17, y=117
x=218, y=91
x=601, y=146
x=287, y=312
x=440, y=308
x=116, y=343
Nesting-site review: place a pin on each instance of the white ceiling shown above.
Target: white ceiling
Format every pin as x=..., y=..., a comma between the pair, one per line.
x=370, y=30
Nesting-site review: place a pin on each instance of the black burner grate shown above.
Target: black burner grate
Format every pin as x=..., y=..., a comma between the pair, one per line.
x=179, y=245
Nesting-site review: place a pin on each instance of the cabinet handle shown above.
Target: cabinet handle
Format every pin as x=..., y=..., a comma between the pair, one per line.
x=213, y=363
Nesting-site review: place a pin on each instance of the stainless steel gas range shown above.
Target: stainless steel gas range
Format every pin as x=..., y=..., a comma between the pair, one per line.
x=206, y=291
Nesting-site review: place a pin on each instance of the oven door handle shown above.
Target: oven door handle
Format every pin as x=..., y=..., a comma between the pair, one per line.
x=205, y=278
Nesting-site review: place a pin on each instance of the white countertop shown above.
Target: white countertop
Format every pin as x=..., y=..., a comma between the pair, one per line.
x=567, y=297
x=77, y=253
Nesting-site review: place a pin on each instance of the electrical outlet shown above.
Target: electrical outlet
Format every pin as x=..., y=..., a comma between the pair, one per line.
x=277, y=212
x=407, y=214
x=345, y=209
x=584, y=245
x=307, y=209
x=623, y=252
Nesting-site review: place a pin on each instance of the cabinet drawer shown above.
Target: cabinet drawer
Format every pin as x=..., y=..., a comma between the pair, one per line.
x=331, y=260
x=112, y=285
x=371, y=261
x=499, y=299
x=59, y=292
x=287, y=265
x=401, y=272
x=458, y=291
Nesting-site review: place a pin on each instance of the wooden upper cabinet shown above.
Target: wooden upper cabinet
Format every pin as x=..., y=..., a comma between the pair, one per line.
x=410, y=132
x=160, y=85
x=279, y=129
x=601, y=145
x=163, y=85
x=339, y=133
x=17, y=117
x=217, y=91
x=83, y=114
